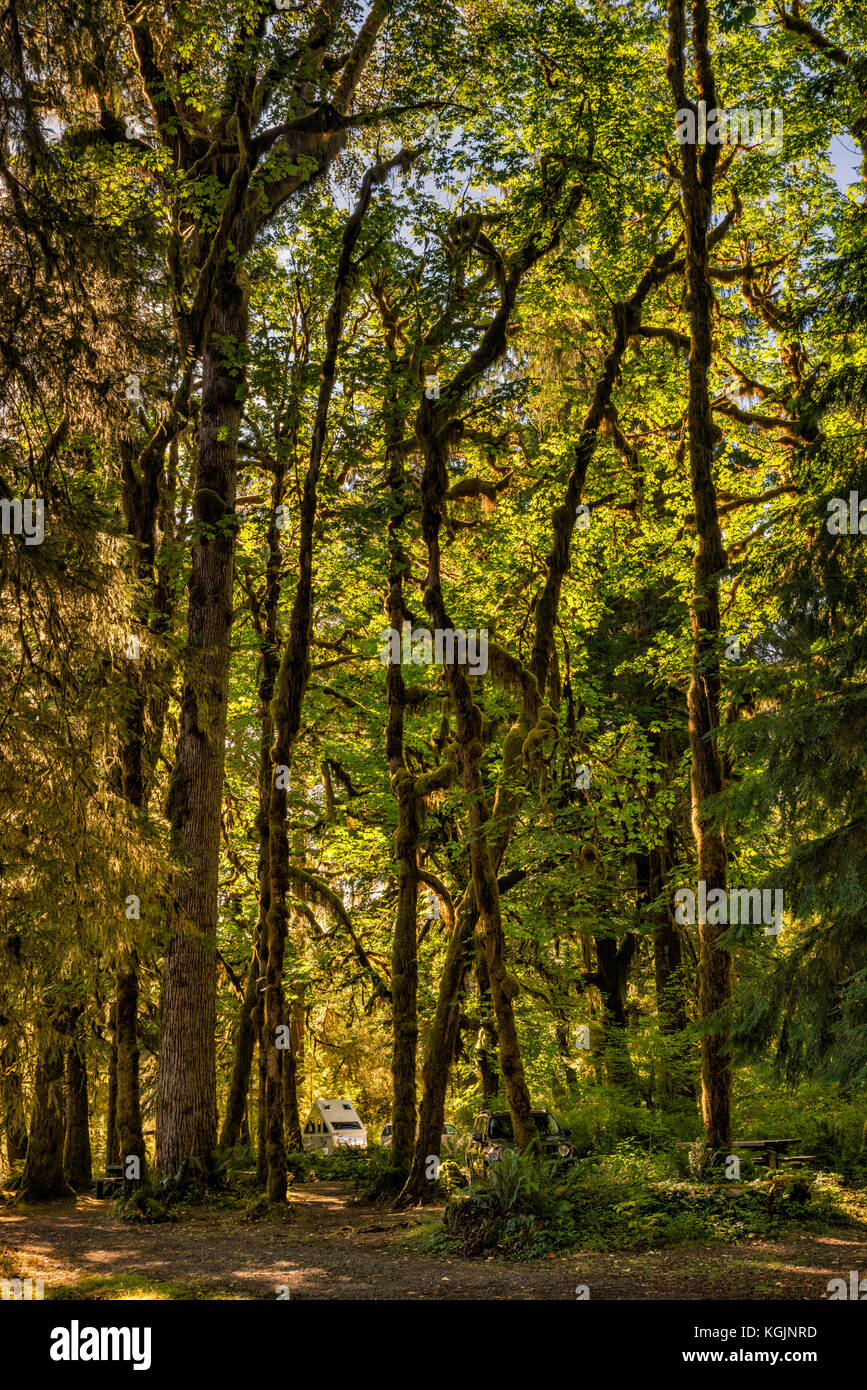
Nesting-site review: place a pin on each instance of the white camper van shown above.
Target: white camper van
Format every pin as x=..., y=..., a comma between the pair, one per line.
x=333, y=1125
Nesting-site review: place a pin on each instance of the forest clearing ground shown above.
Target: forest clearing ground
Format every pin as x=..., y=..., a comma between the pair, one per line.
x=332, y=1249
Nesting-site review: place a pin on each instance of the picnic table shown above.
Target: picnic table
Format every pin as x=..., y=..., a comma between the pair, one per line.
x=771, y=1149
x=112, y=1182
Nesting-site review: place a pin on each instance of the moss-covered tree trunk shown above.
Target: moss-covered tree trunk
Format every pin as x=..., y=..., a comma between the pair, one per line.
x=264, y=877
x=12, y=1113
x=707, y=779
x=242, y=1059
x=504, y=986
x=441, y=1049
x=613, y=960
x=404, y=947
x=468, y=724
x=43, y=1175
x=112, y=1149
x=77, y=1165
x=564, y=1037
x=404, y=972
x=291, y=1112
x=291, y=685
x=263, y=612
x=187, y=1101
x=486, y=1041
x=141, y=496
x=130, y=1137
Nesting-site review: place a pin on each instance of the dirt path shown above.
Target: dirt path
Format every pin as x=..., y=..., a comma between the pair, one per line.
x=333, y=1250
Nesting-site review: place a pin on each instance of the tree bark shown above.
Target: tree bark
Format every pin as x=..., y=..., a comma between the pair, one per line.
x=469, y=740
x=487, y=1041
x=404, y=950
x=187, y=1100
x=130, y=1137
x=441, y=1049
x=266, y=693
x=404, y=965
x=566, y=1050
x=242, y=1059
x=43, y=1166
x=77, y=1166
x=291, y=1113
x=112, y=1149
x=152, y=608
x=264, y=613
x=707, y=778
x=12, y=1113
x=613, y=960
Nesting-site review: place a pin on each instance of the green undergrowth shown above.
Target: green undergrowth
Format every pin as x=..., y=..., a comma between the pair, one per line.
x=347, y=1165
x=231, y=1183
x=628, y=1201
x=826, y=1122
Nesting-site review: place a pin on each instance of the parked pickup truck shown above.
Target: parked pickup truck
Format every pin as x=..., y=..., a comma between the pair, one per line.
x=492, y=1133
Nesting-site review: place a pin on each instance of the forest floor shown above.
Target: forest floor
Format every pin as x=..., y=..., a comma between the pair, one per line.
x=332, y=1248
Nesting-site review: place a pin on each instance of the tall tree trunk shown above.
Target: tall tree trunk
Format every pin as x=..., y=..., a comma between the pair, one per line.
x=291, y=685
x=487, y=1041
x=486, y=859
x=441, y=1049
x=566, y=1052
x=127, y=1100
x=261, y=1092
x=77, y=1165
x=12, y=1113
x=486, y=1066
x=404, y=947
x=264, y=615
x=242, y=1059
x=43, y=1166
x=667, y=955
x=291, y=1113
x=404, y=967
x=469, y=739
x=259, y=1016
x=13, y=1117
x=613, y=960
x=112, y=1148
x=707, y=777
x=141, y=496
x=130, y=1137
x=266, y=690
x=187, y=1099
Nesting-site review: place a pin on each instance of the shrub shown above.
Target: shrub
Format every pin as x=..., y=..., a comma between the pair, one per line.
x=144, y=1206
x=627, y=1200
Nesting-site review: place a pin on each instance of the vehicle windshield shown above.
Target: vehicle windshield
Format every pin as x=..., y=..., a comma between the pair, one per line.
x=345, y=1124
x=500, y=1126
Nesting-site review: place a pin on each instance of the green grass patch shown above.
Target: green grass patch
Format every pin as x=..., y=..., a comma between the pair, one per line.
x=119, y=1288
